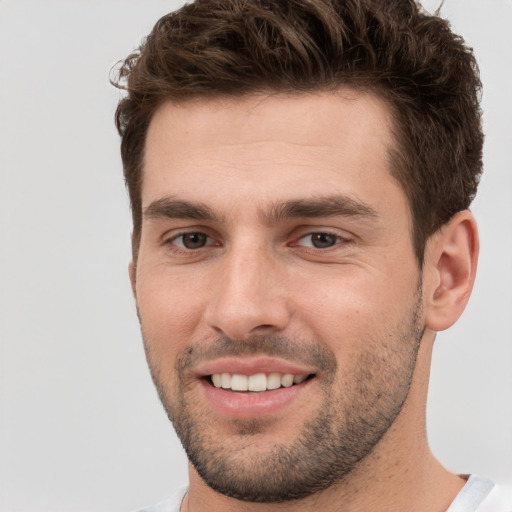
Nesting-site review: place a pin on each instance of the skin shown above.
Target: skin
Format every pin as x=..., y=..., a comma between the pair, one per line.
x=259, y=276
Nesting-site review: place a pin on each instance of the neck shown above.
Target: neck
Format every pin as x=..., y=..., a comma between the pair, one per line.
x=401, y=473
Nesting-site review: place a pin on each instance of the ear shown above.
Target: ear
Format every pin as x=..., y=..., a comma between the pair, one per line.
x=132, y=267
x=132, y=272
x=451, y=258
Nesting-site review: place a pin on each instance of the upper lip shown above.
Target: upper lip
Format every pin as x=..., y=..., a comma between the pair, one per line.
x=251, y=366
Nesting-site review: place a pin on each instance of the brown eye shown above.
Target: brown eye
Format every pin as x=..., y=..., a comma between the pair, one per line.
x=192, y=240
x=323, y=240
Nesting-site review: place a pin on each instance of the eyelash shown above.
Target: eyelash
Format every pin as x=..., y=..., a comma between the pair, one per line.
x=181, y=247
x=336, y=240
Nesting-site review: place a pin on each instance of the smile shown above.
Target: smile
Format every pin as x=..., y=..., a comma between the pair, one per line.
x=256, y=382
x=256, y=386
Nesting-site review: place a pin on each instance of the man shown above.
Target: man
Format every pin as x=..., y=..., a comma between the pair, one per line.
x=300, y=175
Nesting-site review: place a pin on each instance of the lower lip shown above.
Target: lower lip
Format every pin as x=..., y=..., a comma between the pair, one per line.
x=248, y=405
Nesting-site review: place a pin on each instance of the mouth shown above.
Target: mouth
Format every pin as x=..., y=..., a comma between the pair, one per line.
x=257, y=382
x=255, y=387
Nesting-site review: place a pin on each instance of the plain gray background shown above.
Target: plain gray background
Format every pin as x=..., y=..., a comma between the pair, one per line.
x=81, y=426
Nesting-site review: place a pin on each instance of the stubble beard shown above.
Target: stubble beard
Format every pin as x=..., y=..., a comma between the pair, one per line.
x=350, y=420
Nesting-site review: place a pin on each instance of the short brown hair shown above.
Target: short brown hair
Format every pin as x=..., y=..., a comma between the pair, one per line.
x=393, y=48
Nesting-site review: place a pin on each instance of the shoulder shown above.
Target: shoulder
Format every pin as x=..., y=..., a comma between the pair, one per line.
x=482, y=495
x=170, y=504
x=499, y=500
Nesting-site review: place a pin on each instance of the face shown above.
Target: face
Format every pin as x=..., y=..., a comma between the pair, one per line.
x=277, y=287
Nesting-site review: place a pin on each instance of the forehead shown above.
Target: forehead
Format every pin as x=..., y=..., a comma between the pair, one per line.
x=269, y=147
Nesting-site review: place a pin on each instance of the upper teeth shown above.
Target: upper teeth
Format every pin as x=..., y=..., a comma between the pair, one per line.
x=256, y=382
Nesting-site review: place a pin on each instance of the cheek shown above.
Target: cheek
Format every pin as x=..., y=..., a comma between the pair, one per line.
x=169, y=308
x=356, y=306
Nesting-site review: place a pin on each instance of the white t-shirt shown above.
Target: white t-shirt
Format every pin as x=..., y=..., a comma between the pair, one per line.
x=478, y=495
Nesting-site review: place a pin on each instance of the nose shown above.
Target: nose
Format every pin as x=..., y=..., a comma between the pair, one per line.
x=249, y=295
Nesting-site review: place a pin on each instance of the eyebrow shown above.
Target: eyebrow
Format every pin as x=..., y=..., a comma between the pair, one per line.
x=324, y=206
x=170, y=208
x=329, y=206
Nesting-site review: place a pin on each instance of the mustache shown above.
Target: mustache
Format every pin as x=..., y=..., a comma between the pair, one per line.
x=306, y=353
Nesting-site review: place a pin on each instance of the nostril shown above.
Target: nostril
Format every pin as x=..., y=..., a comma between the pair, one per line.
x=242, y=317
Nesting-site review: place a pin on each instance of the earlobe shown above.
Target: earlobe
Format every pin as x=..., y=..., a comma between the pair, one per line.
x=450, y=268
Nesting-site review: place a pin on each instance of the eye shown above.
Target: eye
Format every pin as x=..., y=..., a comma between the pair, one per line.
x=320, y=240
x=192, y=240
